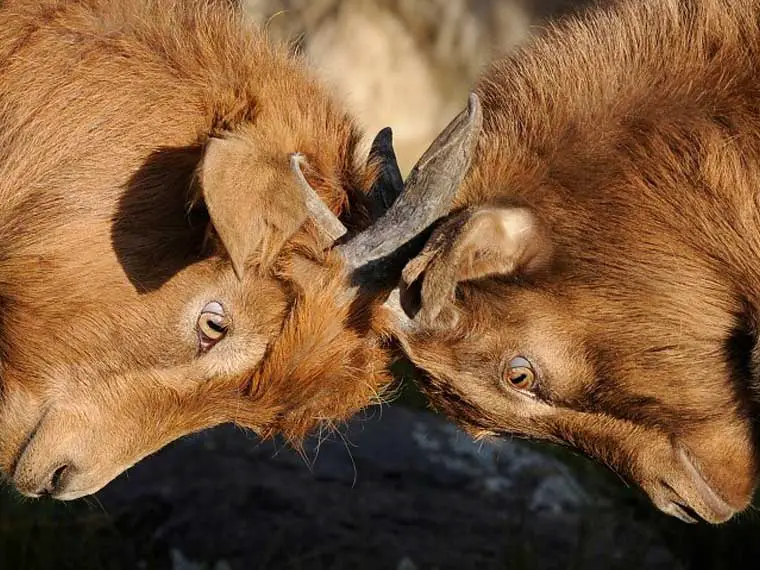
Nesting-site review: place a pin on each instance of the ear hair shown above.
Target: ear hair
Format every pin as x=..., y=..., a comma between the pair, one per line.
x=474, y=244
x=253, y=199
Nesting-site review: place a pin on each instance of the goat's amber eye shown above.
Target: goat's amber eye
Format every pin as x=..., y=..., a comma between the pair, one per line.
x=520, y=373
x=212, y=325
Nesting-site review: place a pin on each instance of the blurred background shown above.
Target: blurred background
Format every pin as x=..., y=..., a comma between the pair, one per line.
x=404, y=63
x=399, y=488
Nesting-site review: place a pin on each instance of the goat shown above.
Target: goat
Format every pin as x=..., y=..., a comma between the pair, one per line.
x=165, y=179
x=593, y=278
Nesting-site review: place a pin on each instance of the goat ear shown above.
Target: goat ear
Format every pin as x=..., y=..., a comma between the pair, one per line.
x=474, y=244
x=253, y=200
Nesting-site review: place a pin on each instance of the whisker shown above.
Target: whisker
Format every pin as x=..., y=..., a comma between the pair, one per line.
x=350, y=456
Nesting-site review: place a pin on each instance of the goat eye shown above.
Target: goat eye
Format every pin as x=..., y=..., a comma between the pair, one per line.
x=520, y=373
x=212, y=325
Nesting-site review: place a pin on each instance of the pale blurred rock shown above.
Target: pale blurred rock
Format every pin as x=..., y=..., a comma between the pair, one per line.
x=404, y=63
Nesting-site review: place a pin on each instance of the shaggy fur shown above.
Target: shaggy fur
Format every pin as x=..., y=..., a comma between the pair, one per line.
x=108, y=253
x=630, y=136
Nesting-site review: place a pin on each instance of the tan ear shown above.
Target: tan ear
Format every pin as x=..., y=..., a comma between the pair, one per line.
x=474, y=244
x=253, y=200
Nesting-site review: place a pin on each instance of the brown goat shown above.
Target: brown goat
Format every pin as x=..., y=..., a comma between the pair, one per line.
x=597, y=280
x=158, y=273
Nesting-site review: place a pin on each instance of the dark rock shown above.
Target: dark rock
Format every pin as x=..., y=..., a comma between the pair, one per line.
x=407, y=490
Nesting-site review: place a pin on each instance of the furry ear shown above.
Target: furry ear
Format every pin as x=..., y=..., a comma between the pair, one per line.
x=474, y=244
x=252, y=197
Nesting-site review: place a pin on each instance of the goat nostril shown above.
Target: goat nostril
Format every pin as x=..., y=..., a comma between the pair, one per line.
x=55, y=481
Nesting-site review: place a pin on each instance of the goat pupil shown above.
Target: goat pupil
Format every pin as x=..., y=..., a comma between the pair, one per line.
x=214, y=326
x=520, y=378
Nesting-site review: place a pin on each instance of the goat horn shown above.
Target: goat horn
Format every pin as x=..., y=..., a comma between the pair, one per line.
x=328, y=222
x=390, y=183
x=386, y=189
x=428, y=194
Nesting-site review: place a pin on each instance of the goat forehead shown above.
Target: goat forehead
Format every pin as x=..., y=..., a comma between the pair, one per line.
x=634, y=292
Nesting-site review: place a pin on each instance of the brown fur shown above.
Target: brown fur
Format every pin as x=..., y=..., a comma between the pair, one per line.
x=107, y=109
x=631, y=136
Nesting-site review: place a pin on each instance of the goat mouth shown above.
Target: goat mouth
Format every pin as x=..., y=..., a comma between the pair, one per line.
x=682, y=512
x=685, y=513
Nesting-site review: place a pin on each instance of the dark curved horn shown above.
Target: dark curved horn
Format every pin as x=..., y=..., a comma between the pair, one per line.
x=429, y=192
x=318, y=210
x=389, y=184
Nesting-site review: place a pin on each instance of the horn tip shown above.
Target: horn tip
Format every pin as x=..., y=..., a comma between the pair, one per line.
x=474, y=107
x=384, y=138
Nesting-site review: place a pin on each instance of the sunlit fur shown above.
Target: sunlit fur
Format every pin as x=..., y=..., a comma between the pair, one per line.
x=632, y=134
x=106, y=107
